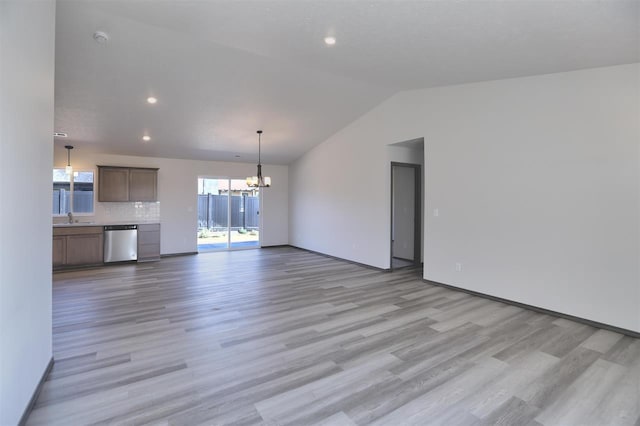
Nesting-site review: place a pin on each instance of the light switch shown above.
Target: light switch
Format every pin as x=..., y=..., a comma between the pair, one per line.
x=436, y=213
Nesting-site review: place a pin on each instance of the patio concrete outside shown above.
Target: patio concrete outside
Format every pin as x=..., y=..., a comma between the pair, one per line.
x=220, y=237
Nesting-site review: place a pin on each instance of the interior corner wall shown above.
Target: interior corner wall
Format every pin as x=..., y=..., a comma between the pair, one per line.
x=275, y=205
x=27, y=36
x=178, y=193
x=339, y=199
x=536, y=180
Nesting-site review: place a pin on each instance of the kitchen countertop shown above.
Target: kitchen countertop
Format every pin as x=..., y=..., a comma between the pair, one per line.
x=106, y=223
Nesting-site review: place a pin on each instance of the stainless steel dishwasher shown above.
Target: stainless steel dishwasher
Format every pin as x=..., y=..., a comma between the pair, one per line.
x=120, y=243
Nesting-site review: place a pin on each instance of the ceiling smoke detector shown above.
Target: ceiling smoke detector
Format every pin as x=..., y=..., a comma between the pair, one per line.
x=101, y=37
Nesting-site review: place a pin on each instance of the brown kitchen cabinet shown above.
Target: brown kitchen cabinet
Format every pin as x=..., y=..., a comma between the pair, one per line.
x=143, y=184
x=113, y=183
x=148, y=242
x=77, y=246
x=127, y=184
x=59, y=250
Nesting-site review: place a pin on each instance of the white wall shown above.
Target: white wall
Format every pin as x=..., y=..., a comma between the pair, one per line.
x=536, y=180
x=339, y=198
x=178, y=193
x=27, y=35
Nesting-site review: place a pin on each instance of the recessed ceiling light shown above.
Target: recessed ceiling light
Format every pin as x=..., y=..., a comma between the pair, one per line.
x=330, y=41
x=101, y=37
x=146, y=138
x=60, y=135
x=151, y=100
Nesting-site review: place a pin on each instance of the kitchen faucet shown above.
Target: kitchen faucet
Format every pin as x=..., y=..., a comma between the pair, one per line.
x=70, y=215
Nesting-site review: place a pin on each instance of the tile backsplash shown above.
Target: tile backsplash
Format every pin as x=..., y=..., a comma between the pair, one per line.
x=130, y=211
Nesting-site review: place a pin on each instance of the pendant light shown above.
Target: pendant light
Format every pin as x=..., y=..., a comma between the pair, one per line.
x=68, y=170
x=259, y=181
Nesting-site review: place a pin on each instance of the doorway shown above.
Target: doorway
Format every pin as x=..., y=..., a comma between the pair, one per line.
x=405, y=215
x=228, y=214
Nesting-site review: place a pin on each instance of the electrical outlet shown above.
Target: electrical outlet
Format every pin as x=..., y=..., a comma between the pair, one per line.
x=458, y=267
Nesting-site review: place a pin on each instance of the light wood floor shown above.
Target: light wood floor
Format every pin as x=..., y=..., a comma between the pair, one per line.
x=283, y=336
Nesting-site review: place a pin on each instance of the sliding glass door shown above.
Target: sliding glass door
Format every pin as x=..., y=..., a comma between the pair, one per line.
x=228, y=214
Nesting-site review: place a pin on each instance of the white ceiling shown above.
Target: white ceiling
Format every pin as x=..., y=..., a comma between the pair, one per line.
x=223, y=69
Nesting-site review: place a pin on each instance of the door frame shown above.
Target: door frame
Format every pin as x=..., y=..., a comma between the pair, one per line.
x=417, y=215
x=228, y=240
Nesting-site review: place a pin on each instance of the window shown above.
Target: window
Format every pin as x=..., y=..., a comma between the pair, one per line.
x=72, y=193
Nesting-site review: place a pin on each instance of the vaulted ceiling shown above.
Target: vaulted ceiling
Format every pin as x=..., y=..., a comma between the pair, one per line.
x=223, y=69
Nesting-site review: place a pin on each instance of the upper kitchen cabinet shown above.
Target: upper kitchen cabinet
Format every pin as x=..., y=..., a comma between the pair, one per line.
x=143, y=184
x=127, y=184
x=113, y=183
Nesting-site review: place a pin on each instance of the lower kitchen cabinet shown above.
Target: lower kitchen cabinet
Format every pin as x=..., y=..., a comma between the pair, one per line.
x=84, y=245
x=148, y=242
x=77, y=246
x=59, y=250
x=85, y=249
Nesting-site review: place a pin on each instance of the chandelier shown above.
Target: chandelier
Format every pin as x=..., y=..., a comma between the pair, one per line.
x=259, y=181
x=68, y=170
